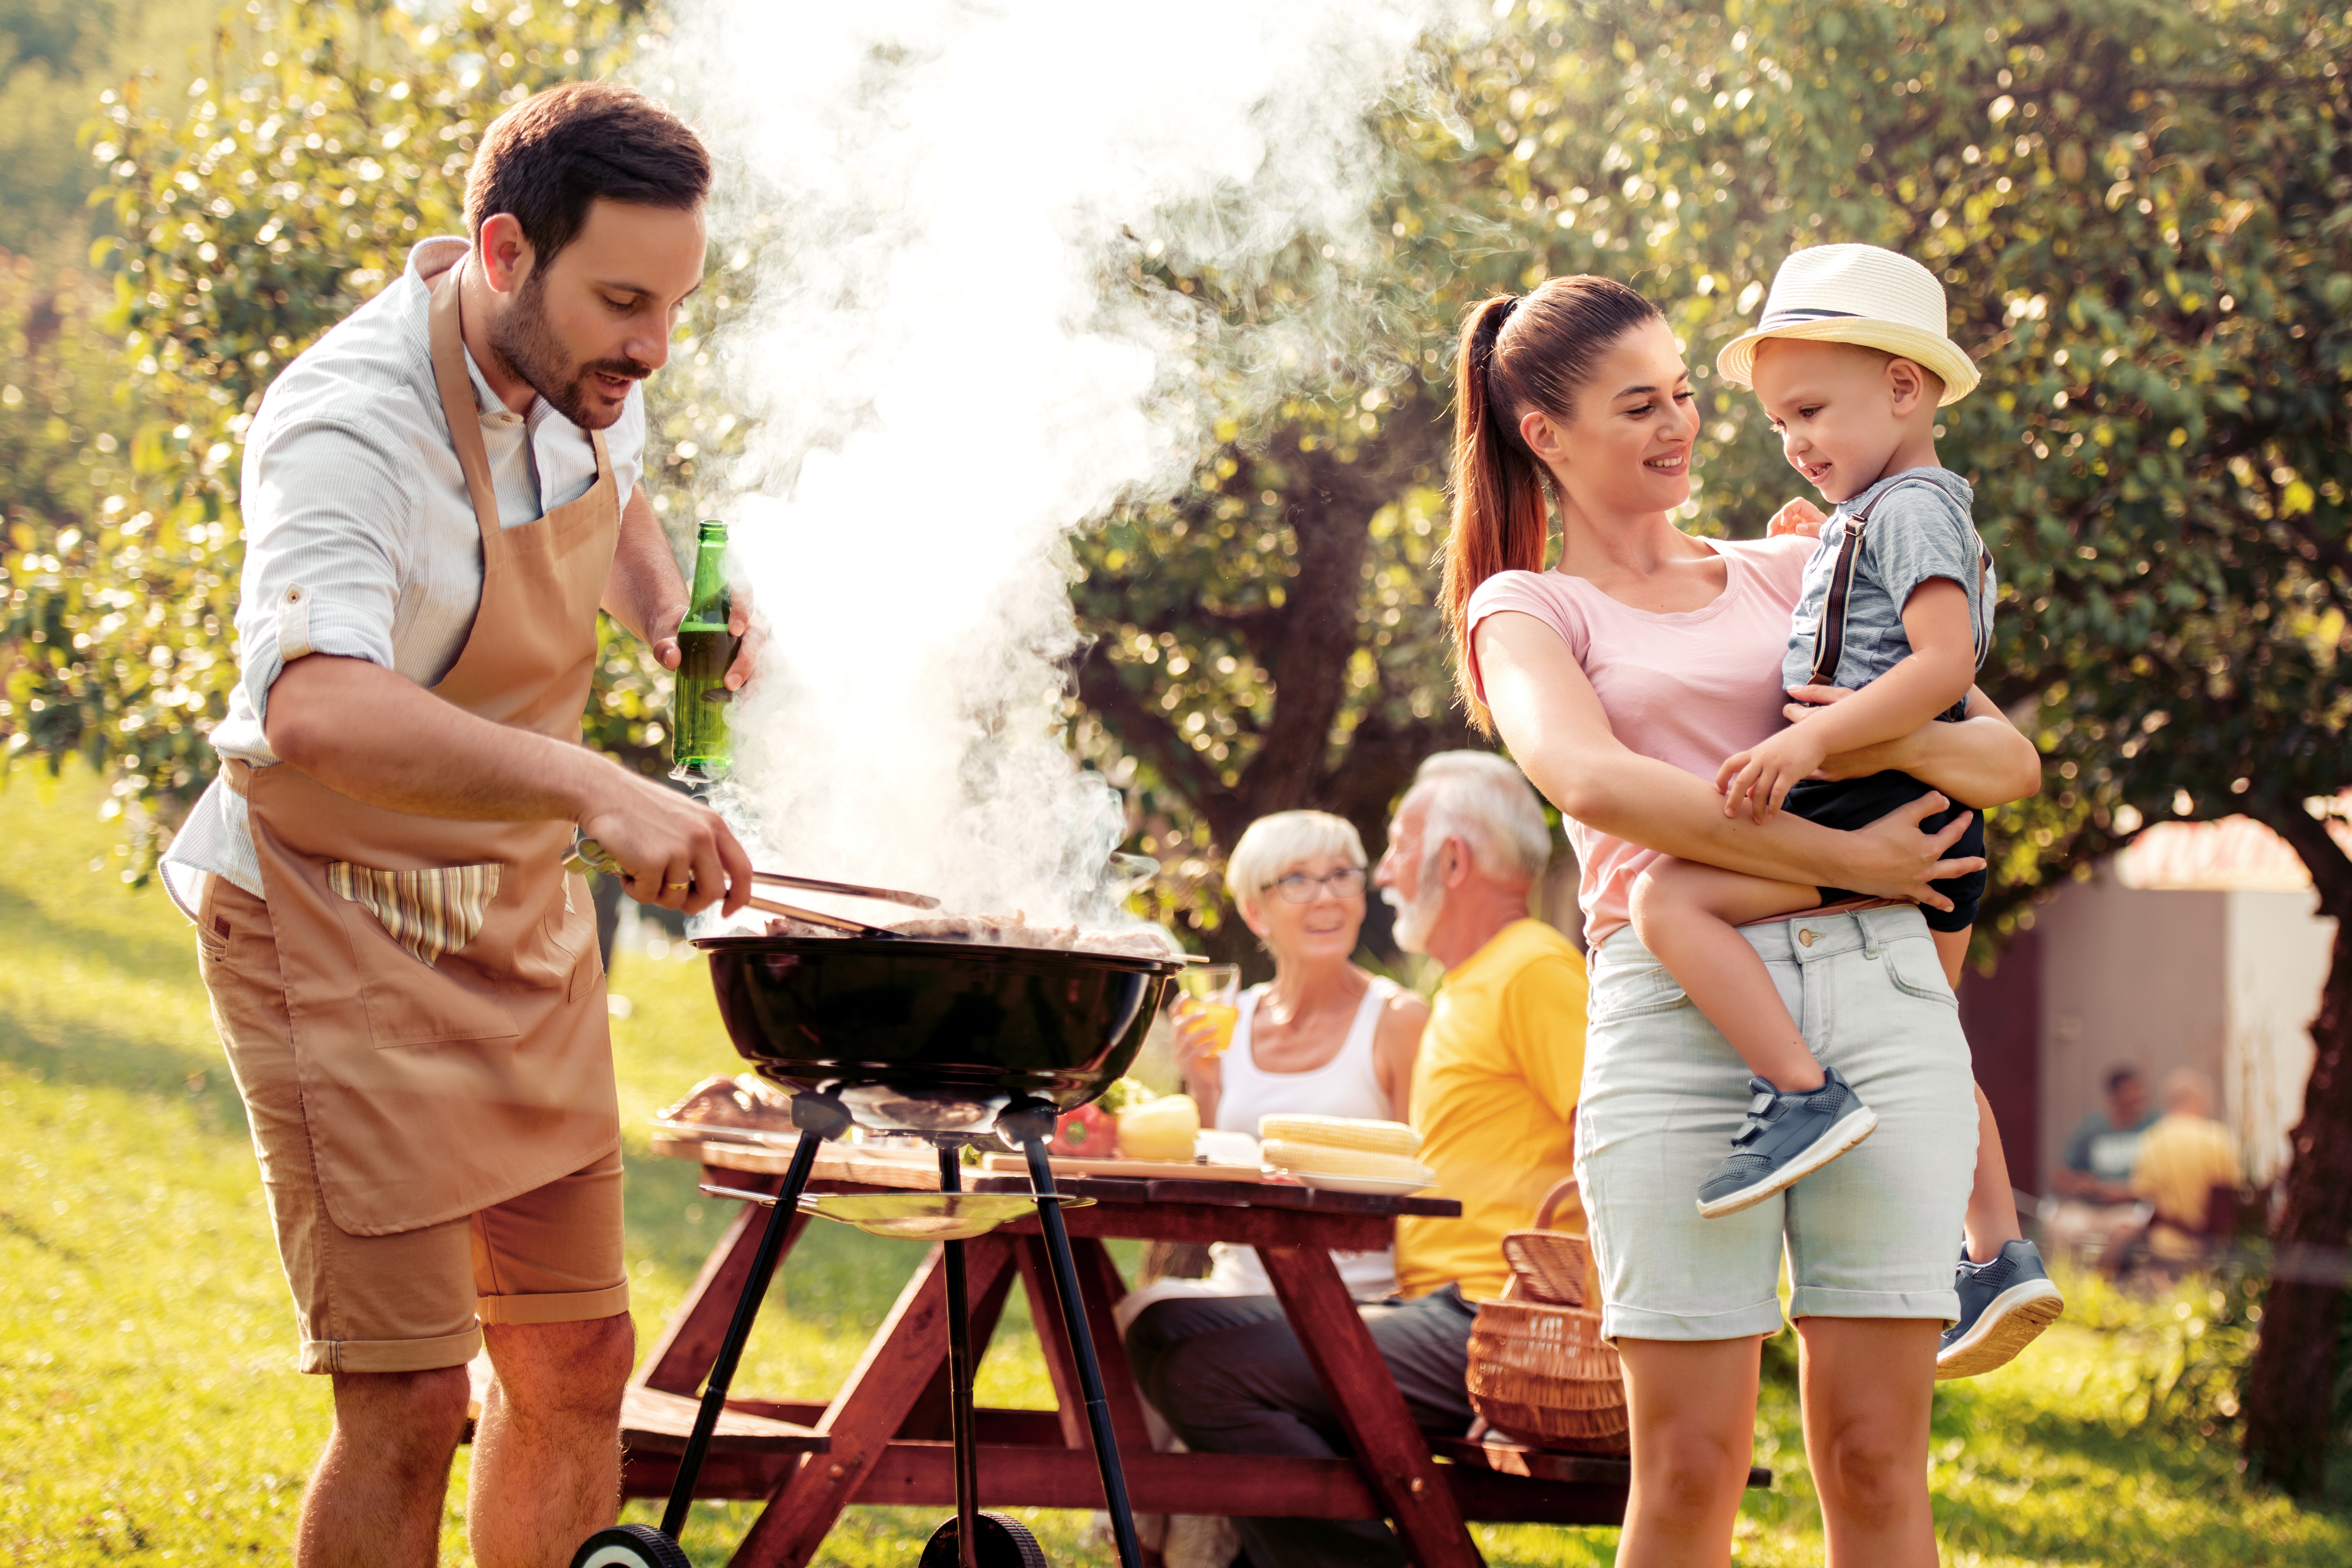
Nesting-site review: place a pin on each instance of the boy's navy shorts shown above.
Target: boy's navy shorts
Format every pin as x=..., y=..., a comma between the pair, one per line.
x=1849, y=803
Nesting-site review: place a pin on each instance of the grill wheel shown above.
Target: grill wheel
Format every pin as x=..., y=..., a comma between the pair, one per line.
x=1004, y=1543
x=631, y=1546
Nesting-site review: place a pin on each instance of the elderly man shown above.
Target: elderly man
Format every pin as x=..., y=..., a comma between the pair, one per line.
x=1494, y=1094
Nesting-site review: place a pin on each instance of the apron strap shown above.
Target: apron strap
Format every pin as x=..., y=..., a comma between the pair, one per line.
x=459, y=406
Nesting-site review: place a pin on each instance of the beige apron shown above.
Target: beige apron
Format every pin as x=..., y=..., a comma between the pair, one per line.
x=442, y=979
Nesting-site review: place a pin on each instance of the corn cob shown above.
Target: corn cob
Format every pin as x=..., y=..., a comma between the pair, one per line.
x=1341, y=1132
x=1325, y=1159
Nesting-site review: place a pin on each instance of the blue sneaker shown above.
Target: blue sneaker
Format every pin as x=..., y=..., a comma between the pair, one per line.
x=2004, y=1306
x=1787, y=1138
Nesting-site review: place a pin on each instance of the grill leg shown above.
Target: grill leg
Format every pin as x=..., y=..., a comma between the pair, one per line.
x=960, y=1375
x=818, y=1120
x=1031, y=1130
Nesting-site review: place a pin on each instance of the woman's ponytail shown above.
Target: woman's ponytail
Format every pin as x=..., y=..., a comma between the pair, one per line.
x=1517, y=354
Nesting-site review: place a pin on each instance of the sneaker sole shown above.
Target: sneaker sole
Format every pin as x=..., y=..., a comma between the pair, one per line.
x=1838, y=1140
x=2014, y=1320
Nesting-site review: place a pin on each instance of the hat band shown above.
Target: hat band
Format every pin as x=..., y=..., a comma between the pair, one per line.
x=1789, y=317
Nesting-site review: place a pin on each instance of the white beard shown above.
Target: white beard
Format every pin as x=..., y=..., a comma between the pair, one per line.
x=1415, y=917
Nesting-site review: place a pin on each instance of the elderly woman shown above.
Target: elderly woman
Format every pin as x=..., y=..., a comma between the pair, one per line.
x=1325, y=1036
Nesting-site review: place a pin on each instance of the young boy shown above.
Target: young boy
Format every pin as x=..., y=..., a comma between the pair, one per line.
x=1851, y=362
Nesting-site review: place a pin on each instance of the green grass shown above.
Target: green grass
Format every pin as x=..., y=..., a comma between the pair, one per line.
x=149, y=1413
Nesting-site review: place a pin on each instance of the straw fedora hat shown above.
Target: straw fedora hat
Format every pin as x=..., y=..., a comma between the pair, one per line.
x=1857, y=294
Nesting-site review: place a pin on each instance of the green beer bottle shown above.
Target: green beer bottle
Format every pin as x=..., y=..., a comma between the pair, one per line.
x=702, y=748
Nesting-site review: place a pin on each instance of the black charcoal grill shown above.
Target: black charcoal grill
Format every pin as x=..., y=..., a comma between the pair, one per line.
x=954, y=1042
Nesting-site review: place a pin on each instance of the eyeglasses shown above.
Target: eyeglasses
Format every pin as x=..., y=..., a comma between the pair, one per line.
x=1347, y=882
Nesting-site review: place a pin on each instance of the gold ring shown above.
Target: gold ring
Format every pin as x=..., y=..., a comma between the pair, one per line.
x=676, y=886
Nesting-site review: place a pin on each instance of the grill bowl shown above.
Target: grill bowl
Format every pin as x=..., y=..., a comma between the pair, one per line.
x=934, y=1037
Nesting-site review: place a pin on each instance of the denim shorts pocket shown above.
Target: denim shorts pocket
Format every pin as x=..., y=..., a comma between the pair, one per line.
x=1912, y=964
x=1637, y=990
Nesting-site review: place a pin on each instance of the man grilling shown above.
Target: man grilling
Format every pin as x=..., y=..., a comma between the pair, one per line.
x=439, y=496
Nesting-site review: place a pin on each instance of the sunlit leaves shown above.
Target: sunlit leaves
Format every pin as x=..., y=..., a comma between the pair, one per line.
x=250, y=216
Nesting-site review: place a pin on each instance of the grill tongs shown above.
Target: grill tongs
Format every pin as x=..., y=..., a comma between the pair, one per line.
x=589, y=855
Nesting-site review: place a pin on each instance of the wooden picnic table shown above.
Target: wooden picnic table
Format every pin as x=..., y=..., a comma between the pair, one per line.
x=884, y=1438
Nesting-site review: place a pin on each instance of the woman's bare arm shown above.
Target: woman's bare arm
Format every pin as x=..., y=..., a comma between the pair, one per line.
x=1981, y=761
x=1560, y=738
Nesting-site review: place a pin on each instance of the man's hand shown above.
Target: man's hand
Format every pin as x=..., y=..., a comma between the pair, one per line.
x=740, y=622
x=675, y=851
x=1762, y=775
x=1799, y=517
x=645, y=594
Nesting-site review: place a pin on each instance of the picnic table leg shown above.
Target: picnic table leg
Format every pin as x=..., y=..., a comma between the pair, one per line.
x=927, y=1420
x=689, y=1341
x=1396, y=1457
x=1052, y=1341
x=1100, y=1287
x=905, y=1354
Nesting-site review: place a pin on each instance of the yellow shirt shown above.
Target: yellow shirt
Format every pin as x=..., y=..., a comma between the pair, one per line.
x=1494, y=1094
x=2181, y=1159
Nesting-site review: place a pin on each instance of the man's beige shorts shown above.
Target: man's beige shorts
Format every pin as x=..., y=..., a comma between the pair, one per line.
x=416, y=1299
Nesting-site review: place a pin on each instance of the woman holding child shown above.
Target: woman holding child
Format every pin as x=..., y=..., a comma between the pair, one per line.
x=1744, y=876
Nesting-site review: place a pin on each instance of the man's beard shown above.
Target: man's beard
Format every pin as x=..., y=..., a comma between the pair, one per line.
x=524, y=340
x=1417, y=916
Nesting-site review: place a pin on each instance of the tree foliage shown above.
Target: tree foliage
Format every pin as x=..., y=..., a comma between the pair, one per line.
x=2136, y=215
x=2142, y=213
x=250, y=214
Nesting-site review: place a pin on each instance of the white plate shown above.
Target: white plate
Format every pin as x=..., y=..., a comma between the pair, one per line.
x=1374, y=1186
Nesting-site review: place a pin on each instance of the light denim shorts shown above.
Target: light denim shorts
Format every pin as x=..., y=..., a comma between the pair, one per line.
x=1874, y=1234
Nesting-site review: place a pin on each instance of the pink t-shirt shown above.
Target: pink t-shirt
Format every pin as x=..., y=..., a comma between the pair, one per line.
x=1688, y=688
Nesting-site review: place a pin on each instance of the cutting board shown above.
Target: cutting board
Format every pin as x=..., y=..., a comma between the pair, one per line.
x=1131, y=1170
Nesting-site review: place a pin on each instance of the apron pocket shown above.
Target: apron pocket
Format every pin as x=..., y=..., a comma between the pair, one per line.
x=400, y=925
x=428, y=913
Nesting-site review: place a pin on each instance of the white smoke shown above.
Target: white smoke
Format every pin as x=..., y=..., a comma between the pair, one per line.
x=947, y=368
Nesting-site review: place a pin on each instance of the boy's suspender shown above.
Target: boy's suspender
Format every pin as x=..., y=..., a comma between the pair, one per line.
x=1828, y=637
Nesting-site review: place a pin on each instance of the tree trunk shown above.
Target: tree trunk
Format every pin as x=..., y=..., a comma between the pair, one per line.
x=2290, y=1387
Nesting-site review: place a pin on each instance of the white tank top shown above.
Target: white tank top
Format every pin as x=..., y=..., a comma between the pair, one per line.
x=1346, y=1085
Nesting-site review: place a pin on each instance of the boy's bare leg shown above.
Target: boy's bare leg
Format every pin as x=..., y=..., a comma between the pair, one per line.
x=1686, y=914
x=1992, y=1203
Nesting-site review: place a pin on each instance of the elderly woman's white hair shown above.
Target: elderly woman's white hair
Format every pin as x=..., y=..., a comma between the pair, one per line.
x=1275, y=844
x=1486, y=801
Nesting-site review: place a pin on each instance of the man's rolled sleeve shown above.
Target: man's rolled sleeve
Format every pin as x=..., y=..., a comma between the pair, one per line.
x=325, y=507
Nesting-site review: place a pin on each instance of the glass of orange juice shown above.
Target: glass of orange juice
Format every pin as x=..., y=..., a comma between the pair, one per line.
x=1214, y=991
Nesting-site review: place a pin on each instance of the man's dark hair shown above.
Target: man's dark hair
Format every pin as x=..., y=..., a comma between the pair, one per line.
x=550, y=156
x=2119, y=1076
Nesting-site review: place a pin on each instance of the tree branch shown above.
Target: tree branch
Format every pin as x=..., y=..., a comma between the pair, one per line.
x=1143, y=730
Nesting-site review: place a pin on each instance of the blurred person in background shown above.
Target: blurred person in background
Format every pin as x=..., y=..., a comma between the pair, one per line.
x=1493, y=1093
x=2096, y=1208
x=2181, y=1159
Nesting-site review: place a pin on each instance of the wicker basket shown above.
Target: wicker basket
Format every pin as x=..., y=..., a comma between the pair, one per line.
x=1538, y=1370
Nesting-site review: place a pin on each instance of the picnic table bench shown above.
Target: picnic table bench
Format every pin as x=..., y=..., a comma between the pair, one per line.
x=883, y=1437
